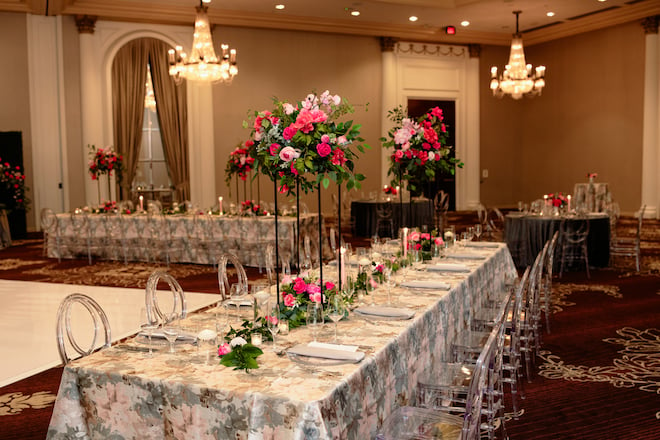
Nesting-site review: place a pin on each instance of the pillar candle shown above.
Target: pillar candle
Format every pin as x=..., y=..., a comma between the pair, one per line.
x=405, y=242
x=568, y=199
x=220, y=204
x=342, y=260
x=141, y=203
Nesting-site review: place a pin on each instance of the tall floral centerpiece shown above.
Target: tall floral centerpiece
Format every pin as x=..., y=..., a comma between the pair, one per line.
x=103, y=161
x=420, y=149
x=240, y=165
x=12, y=187
x=302, y=146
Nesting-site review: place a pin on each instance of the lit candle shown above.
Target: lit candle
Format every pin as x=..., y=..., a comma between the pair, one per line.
x=342, y=258
x=283, y=325
x=141, y=203
x=545, y=199
x=568, y=199
x=220, y=205
x=257, y=339
x=405, y=242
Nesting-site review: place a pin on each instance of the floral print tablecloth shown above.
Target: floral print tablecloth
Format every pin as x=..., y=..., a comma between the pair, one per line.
x=179, y=238
x=123, y=394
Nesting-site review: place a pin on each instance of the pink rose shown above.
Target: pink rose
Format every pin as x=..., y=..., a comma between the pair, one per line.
x=313, y=289
x=288, y=108
x=426, y=236
x=315, y=297
x=273, y=149
x=325, y=139
x=299, y=286
x=329, y=285
x=288, y=153
x=323, y=149
x=439, y=242
x=224, y=349
x=294, y=171
x=338, y=157
x=289, y=132
x=286, y=280
x=341, y=140
x=289, y=300
x=398, y=154
x=414, y=236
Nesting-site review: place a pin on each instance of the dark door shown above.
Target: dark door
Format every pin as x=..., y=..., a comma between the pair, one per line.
x=11, y=151
x=444, y=182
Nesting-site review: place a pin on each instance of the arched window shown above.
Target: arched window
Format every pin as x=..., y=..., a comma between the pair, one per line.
x=129, y=77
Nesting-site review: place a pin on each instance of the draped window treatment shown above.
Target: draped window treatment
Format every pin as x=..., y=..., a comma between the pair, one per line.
x=129, y=75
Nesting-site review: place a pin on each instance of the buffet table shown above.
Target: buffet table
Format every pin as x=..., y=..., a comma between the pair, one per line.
x=179, y=238
x=365, y=213
x=122, y=393
x=526, y=235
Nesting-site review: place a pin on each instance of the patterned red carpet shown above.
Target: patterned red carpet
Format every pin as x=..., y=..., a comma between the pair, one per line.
x=598, y=373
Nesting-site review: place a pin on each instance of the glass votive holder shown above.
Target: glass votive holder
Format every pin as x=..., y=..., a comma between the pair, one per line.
x=283, y=326
x=257, y=339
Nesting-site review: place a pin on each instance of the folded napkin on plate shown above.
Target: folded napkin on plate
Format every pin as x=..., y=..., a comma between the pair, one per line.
x=448, y=267
x=481, y=244
x=389, y=312
x=240, y=302
x=158, y=334
x=352, y=348
x=327, y=353
x=466, y=256
x=426, y=284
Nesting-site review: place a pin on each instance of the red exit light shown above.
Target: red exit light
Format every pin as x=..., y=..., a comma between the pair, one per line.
x=450, y=30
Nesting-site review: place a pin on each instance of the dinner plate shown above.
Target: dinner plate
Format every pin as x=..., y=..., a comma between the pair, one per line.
x=319, y=362
x=383, y=317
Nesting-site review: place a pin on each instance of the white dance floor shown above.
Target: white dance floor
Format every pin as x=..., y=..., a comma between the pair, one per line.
x=28, y=314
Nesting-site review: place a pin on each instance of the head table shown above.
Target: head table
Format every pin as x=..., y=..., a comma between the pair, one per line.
x=182, y=238
x=121, y=394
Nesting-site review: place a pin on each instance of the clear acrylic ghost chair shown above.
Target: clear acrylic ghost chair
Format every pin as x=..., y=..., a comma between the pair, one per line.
x=67, y=343
x=51, y=227
x=223, y=277
x=422, y=423
x=546, y=287
x=155, y=314
x=385, y=220
x=114, y=240
x=79, y=242
x=441, y=204
x=573, y=239
x=447, y=387
x=628, y=246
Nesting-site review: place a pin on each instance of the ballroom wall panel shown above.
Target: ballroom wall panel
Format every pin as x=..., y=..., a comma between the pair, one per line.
x=589, y=119
x=14, y=88
x=289, y=65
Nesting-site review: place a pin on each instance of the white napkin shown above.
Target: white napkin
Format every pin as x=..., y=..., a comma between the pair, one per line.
x=158, y=334
x=466, y=256
x=327, y=353
x=481, y=244
x=351, y=348
x=426, y=284
x=389, y=312
x=448, y=267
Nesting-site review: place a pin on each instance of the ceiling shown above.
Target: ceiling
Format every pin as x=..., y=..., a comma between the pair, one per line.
x=491, y=21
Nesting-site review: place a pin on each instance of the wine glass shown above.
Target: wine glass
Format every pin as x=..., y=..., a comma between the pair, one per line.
x=272, y=321
x=170, y=329
x=337, y=310
x=389, y=282
x=314, y=317
x=477, y=230
x=520, y=206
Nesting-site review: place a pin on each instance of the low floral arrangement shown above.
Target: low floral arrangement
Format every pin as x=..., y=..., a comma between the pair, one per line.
x=558, y=200
x=249, y=207
x=240, y=354
x=304, y=144
x=105, y=161
x=592, y=176
x=12, y=187
x=240, y=162
x=420, y=149
x=297, y=293
x=390, y=190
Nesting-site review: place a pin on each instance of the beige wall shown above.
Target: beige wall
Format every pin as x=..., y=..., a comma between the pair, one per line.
x=14, y=88
x=289, y=65
x=589, y=119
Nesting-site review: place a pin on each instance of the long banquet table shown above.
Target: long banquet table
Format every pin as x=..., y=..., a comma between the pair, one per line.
x=121, y=394
x=247, y=237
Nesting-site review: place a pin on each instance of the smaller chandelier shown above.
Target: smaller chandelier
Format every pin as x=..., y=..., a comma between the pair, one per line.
x=517, y=79
x=203, y=64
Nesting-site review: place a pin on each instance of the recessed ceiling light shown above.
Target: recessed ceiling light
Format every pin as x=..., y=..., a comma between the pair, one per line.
x=550, y=14
x=465, y=23
x=279, y=6
x=355, y=13
x=413, y=18
x=602, y=1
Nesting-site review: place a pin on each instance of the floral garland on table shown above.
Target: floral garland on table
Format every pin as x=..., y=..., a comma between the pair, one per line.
x=240, y=354
x=298, y=293
x=305, y=144
x=105, y=161
x=12, y=187
x=240, y=162
x=424, y=241
x=249, y=207
x=420, y=149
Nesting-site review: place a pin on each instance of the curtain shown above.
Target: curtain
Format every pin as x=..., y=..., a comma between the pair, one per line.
x=129, y=75
x=172, y=117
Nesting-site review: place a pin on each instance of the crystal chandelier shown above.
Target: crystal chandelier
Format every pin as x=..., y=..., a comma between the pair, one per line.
x=517, y=79
x=203, y=64
x=149, y=97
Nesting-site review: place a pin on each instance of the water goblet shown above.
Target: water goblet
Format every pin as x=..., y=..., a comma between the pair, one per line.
x=520, y=206
x=477, y=230
x=170, y=329
x=465, y=237
x=148, y=329
x=314, y=317
x=337, y=311
x=389, y=282
x=470, y=233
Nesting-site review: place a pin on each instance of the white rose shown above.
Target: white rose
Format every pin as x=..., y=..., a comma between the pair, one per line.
x=237, y=342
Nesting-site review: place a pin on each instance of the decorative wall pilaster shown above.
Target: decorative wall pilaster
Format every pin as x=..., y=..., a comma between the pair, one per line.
x=651, y=134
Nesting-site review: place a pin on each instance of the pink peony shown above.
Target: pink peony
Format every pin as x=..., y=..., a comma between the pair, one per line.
x=323, y=149
x=398, y=154
x=439, y=242
x=315, y=297
x=299, y=286
x=329, y=285
x=338, y=157
x=341, y=140
x=313, y=288
x=289, y=132
x=274, y=149
x=224, y=349
x=414, y=236
x=288, y=108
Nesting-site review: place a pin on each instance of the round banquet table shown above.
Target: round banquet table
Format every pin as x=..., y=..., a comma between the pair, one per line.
x=526, y=235
x=419, y=213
